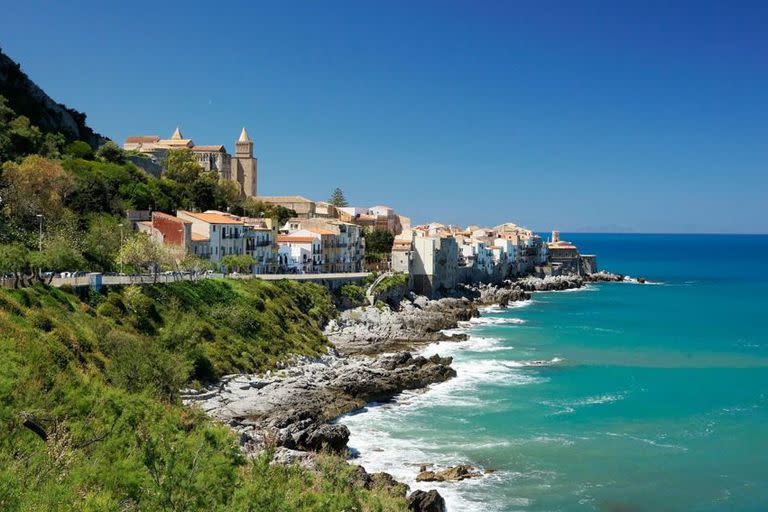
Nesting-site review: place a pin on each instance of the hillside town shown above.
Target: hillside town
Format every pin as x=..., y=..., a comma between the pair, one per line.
x=322, y=237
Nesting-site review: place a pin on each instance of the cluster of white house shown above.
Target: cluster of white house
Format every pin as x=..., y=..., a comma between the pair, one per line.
x=300, y=246
x=325, y=238
x=438, y=257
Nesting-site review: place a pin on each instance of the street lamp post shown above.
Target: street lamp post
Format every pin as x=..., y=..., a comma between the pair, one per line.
x=40, y=239
x=121, y=249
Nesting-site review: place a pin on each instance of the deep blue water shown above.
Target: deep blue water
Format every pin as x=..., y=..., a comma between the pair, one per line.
x=655, y=397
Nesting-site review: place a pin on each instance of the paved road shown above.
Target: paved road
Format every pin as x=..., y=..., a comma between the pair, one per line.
x=166, y=278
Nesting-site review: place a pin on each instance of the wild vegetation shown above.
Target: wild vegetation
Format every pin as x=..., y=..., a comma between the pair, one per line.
x=89, y=411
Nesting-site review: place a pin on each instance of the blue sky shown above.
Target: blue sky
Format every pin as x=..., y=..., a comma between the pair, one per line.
x=588, y=116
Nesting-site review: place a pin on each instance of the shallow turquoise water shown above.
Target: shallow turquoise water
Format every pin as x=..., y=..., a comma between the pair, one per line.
x=654, y=397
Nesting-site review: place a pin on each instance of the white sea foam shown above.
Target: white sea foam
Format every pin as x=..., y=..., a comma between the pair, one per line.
x=530, y=363
x=570, y=406
x=491, y=320
x=387, y=438
x=473, y=344
x=648, y=441
x=495, y=308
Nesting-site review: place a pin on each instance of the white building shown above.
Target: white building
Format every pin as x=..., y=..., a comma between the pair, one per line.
x=299, y=252
x=224, y=234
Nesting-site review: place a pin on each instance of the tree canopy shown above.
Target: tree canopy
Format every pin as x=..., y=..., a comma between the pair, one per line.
x=337, y=198
x=379, y=241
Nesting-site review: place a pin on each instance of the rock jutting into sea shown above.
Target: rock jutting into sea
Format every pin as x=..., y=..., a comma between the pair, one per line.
x=291, y=408
x=567, y=282
x=416, y=321
x=492, y=294
x=550, y=283
x=452, y=474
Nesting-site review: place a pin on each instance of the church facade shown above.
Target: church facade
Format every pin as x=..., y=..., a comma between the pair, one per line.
x=242, y=167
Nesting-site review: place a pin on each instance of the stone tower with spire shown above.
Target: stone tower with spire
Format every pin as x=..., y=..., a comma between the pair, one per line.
x=244, y=165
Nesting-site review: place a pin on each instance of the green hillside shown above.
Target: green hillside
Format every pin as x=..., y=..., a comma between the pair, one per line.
x=89, y=411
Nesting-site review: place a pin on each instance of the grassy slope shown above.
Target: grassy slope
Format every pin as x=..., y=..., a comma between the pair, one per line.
x=101, y=377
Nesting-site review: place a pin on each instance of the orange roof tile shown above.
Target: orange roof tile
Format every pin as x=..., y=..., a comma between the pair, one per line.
x=208, y=148
x=320, y=231
x=199, y=238
x=214, y=218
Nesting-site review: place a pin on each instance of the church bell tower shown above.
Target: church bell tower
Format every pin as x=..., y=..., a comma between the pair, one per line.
x=244, y=165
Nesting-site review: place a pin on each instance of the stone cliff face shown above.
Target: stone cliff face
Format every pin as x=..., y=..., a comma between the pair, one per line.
x=26, y=98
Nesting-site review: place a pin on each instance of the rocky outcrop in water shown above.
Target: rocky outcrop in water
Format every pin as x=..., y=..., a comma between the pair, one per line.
x=489, y=294
x=452, y=474
x=604, y=276
x=291, y=408
x=550, y=283
x=417, y=321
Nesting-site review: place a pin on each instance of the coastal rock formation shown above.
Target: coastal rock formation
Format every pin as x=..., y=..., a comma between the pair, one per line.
x=604, y=276
x=426, y=501
x=488, y=294
x=382, y=481
x=419, y=320
x=550, y=283
x=452, y=474
x=291, y=407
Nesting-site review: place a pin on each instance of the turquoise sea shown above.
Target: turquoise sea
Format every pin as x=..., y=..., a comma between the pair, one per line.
x=654, y=397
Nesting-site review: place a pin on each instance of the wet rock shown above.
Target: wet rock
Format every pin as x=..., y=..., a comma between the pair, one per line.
x=372, y=330
x=294, y=407
x=550, y=283
x=605, y=277
x=329, y=437
x=426, y=501
x=452, y=474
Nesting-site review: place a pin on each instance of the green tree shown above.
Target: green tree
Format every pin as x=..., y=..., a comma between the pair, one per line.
x=20, y=138
x=111, y=152
x=35, y=186
x=337, y=198
x=80, y=149
x=181, y=166
x=204, y=191
x=58, y=255
x=227, y=193
x=101, y=242
x=14, y=259
x=238, y=262
x=379, y=241
x=142, y=254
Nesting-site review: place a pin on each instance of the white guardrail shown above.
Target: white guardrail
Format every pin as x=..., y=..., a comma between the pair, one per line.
x=86, y=280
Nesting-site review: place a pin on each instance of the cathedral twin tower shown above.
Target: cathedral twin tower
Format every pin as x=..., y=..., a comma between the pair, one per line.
x=244, y=165
x=240, y=167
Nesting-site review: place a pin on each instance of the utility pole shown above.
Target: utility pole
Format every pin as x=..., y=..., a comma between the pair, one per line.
x=40, y=240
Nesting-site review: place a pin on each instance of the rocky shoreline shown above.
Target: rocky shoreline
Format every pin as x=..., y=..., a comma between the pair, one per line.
x=291, y=410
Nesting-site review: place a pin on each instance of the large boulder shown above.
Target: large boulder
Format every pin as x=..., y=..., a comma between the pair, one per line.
x=327, y=436
x=426, y=501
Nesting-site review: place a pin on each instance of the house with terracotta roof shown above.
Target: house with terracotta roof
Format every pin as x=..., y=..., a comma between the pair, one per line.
x=225, y=234
x=300, y=252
